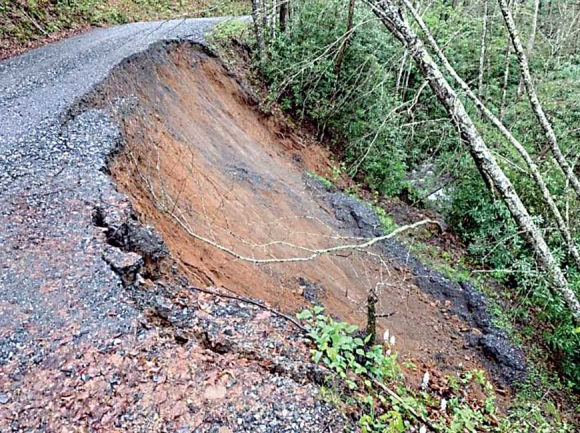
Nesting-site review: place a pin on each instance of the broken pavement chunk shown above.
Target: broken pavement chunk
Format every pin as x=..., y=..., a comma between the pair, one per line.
x=126, y=265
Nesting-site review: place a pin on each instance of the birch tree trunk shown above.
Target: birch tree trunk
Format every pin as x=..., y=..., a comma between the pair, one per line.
x=533, y=97
x=506, y=77
x=534, y=170
x=482, y=49
x=531, y=41
x=257, y=11
x=391, y=17
x=400, y=73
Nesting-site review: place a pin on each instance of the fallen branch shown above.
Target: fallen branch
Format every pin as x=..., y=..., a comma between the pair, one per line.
x=405, y=405
x=251, y=301
x=314, y=252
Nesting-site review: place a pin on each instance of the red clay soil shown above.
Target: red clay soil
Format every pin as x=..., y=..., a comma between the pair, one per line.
x=200, y=159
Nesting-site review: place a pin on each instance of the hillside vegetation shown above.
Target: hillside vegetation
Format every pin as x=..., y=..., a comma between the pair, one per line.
x=363, y=92
x=468, y=108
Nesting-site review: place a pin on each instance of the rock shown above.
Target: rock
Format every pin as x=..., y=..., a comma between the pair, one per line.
x=131, y=236
x=134, y=237
x=163, y=306
x=499, y=348
x=312, y=292
x=215, y=392
x=4, y=398
x=356, y=213
x=126, y=265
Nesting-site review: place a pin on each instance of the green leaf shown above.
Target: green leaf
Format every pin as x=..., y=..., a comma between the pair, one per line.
x=318, y=309
x=352, y=328
x=304, y=315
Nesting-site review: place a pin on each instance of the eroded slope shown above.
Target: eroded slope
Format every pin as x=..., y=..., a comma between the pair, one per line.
x=226, y=187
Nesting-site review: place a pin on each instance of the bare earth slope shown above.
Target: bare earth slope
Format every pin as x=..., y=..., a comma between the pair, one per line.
x=75, y=348
x=100, y=327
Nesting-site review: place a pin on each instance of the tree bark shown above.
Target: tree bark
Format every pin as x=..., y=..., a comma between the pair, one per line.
x=531, y=41
x=482, y=50
x=273, y=12
x=506, y=77
x=257, y=11
x=372, y=315
x=393, y=20
x=346, y=39
x=283, y=15
x=533, y=97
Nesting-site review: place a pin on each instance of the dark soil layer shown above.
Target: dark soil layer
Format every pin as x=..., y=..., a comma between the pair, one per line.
x=464, y=301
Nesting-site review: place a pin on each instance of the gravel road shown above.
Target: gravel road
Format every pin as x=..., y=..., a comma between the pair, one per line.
x=52, y=274
x=75, y=348
x=79, y=350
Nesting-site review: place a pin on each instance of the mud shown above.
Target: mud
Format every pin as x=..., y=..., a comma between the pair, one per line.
x=464, y=301
x=204, y=167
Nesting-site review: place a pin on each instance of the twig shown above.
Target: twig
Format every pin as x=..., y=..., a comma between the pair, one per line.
x=385, y=315
x=250, y=301
x=34, y=22
x=405, y=405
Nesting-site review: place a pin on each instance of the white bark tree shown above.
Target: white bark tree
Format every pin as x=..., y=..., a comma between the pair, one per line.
x=487, y=113
x=393, y=19
x=531, y=41
x=482, y=49
x=533, y=97
x=257, y=18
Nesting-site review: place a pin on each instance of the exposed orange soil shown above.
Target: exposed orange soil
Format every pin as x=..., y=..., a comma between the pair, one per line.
x=198, y=148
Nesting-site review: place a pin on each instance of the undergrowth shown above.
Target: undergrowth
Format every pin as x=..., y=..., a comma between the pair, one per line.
x=369, y=378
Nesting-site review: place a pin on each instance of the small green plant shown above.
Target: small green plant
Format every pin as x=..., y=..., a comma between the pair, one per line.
x=387, y=223
x=366, y=371
x=340, y=349
x=324, y=181
x=338, y=170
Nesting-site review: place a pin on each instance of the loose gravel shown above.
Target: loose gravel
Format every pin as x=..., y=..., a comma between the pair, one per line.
x=77, y=348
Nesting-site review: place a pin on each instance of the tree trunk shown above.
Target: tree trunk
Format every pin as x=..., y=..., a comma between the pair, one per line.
x=400, y=73
x=283, y=15
x=482, y=50
x=273, y=12
x=533, y=97
x=391, y=17
x=506, y=77
x=346, y=39
x=531, y=41
x=257, y=11
x=372, y=316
